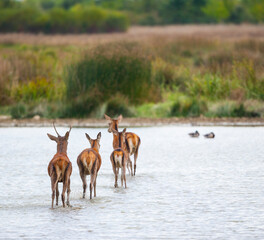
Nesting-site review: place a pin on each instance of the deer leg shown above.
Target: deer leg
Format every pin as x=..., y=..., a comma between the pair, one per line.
x=68, y=192
x=91, y=189
x=124, y=176
x=130, y=164
x=114, y=169
x=93, y=179
x=83, y=177
x=116, y=176
x=54, y=182
x=135, y=160
x=128, y=167
x=65, y=183
x=95, y=185
x=57, y=194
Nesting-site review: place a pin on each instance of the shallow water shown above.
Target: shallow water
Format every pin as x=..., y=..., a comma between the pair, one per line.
x=185, y=188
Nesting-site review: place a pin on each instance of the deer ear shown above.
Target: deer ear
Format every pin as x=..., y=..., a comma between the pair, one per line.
x=88, y=137
x=67, y=135
x=120, y=118
x=99, y=136
x=107, y=117
x=52, y=137
x=124, y=131
x=114, y=132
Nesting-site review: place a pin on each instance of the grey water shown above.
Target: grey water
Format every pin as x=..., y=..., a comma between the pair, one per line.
x=185, y=188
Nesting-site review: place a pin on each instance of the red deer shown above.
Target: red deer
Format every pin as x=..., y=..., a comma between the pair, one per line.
x=60, y=168
x=132, y=140
x=119, y=157
x=89, y=162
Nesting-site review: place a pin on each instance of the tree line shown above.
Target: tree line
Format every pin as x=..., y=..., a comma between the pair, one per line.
x=77, y=16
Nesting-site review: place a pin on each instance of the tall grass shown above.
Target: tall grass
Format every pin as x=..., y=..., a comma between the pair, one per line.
x=112, y=70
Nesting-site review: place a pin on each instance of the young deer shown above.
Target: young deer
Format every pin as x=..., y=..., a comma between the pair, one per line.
x=60, y=168
x=132, y=141
x=119, y=157
x=89, y=162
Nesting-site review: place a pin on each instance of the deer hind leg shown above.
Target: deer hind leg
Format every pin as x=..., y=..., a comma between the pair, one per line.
x=93, y=178
x=116, y=176
x=123, y=177
x=68, y=192
x=115, y=169
x=65, y=183
x=95, y=185
x=130, y=166
x=57, y=194
x=92, y=185
x=83, y=177
x=135, y=158
x=54, y=183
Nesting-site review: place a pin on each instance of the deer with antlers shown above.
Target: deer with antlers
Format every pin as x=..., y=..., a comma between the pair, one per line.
x=119, y=156
x=89, y=163
x=132, y=141
x=60, y=168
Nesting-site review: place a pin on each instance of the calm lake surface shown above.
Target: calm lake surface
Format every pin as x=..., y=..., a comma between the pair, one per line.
x=185, y=188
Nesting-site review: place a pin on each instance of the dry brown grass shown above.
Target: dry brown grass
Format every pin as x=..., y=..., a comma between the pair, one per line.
x=222, y=32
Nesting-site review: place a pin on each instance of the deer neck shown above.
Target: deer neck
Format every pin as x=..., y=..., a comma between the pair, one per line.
x=95, y=148
x=61, y=148
x=115, y=138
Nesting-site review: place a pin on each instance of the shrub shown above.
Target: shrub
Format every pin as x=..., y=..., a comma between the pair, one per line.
x=118, y=105
x=188, y=107
x=152, y=110
x=113, y=69
x=209, y=85
x=83, y=106
x=230, y=109
x=34, y=90
x=18, y=111
x=170, y=77
x=245, y=73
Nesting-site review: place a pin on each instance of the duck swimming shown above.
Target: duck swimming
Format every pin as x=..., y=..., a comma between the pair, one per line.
x=195, y=134
x=209, y=135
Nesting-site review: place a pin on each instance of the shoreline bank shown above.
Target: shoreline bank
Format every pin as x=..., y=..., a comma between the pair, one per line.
x=132, y=122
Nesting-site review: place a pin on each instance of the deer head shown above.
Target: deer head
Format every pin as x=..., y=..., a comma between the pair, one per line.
x=113, y=123
x=95, y=143
x=62, y=142
x=121, y=136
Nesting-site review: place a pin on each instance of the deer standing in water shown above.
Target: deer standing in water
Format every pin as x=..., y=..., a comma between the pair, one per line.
x=119, y=156
x=60, y=168
x=132, y=141
x=89, y=162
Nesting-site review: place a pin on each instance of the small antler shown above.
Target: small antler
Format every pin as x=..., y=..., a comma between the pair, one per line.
x=70, y=129
x=56, y=130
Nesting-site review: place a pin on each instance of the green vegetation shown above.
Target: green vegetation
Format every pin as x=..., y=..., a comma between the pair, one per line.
x=82, y=16
x=29, y=16
x=184, y=77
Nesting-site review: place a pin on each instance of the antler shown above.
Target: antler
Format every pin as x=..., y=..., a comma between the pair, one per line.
x=56, y=130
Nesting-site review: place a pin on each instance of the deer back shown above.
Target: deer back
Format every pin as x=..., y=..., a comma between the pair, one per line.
x=59, y=164
x=90, y=161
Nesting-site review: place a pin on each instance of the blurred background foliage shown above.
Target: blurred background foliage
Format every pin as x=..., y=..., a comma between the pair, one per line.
x=156, y=76
x=134, y=78
x=79, y=16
